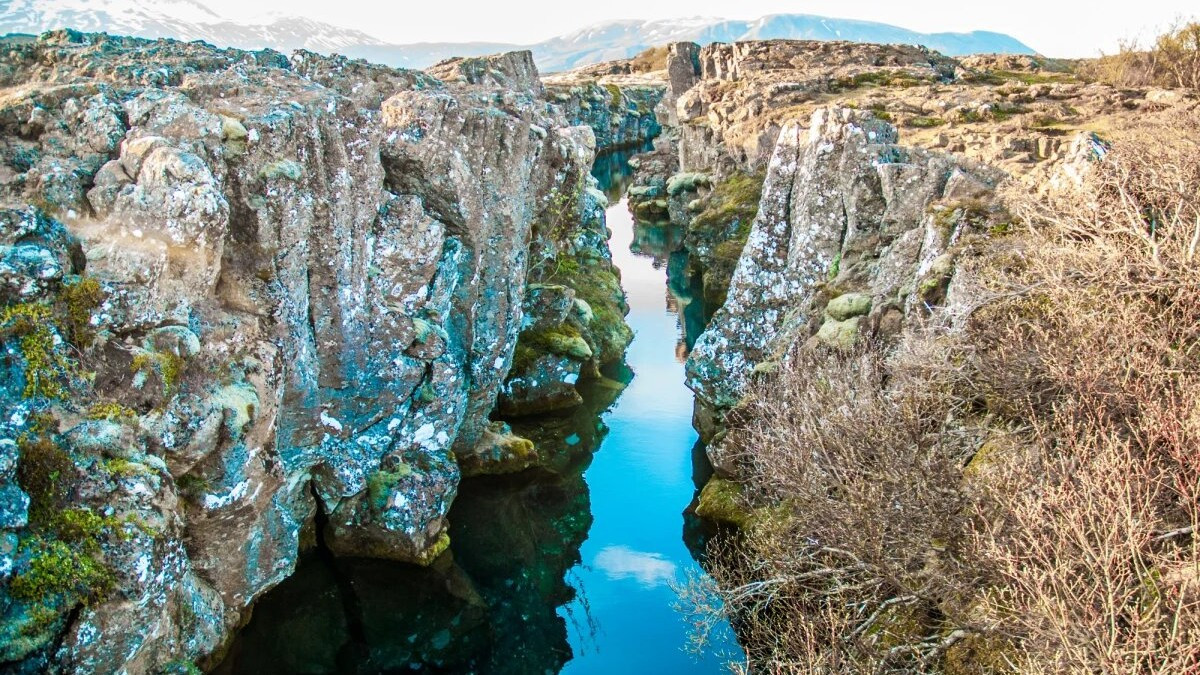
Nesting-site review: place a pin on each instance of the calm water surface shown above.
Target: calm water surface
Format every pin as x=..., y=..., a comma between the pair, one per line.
x=567, y=569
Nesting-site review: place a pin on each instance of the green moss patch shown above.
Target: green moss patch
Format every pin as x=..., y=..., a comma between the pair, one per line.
x=168, y=366
x=382, y=484
x=596, y=283
x=877, y=78
x=734, y=199
x=46, y=367
x=110, y=410
x=924, y=122
x=723, y=223
x=721, y=500
x=616, y=100
x=79, y=300
x=46, y=473
x=57, y=569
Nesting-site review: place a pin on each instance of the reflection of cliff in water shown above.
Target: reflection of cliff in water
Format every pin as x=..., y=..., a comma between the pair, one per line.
x=685, y=293
x=612, y=171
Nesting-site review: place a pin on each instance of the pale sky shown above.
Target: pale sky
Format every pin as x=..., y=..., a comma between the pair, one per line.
x=1067, y=29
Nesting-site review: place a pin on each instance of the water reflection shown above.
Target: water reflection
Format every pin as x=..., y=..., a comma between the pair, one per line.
x=612, y=171
x=649, y=569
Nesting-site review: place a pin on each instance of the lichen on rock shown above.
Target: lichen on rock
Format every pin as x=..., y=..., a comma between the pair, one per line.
x=258, y=288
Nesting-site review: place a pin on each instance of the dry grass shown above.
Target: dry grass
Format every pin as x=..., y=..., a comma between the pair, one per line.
x=1015, y=490
x=1172, y=61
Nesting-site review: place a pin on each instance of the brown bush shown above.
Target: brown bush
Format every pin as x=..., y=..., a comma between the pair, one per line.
x=1172, y=61
x=1013, y=488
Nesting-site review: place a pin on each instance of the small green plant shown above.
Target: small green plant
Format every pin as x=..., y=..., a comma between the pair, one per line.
x=835, y=268
x=110, y=410
x=57, y=569
x=46, y=368
x=192, y=486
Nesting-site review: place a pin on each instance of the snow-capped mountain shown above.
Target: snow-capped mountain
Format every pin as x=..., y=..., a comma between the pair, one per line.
x=622, y=39
x=192, y=20
x=180, y=19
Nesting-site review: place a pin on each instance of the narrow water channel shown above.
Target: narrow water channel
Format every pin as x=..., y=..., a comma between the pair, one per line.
x=569, y=568
x=642, y=478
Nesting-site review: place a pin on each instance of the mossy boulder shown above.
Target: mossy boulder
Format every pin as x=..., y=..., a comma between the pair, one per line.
x=687, y=182
x=848, y=306
x=641, y=192
x=500, y=451
x=840, y=334
x=721, y=501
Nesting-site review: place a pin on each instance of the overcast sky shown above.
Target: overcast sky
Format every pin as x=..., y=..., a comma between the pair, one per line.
x=1052, y=27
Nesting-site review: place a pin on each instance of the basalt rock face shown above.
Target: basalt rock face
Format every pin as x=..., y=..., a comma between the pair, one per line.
x=720, y=117
x=852, y=233
x=621, y=110
x=240, y=288
x=815, y=124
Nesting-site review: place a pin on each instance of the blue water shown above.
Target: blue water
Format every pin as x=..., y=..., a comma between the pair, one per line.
x=640, y=481
x=568, y=568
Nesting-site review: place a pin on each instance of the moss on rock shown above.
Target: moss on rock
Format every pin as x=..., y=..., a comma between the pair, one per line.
x=840, y=334
x=434, y=551
x=848, y=306
x=721, y=501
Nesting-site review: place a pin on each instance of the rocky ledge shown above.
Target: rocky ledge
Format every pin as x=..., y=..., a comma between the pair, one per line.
x=241, y=289
x=808, y=223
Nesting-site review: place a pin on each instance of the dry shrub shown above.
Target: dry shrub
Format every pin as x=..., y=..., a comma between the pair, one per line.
x=1172, y=61
x=856, y=558
x=1094, y=349
x=654, y=58
x=1016, y=490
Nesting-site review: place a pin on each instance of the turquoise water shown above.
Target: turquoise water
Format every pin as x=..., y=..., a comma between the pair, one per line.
x=640, y=482
x=569, y=568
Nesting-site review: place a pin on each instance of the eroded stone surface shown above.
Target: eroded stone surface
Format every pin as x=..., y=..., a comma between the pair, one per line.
x=301, y=282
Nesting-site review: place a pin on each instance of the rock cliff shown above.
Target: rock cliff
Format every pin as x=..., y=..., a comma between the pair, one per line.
x=620, y=109
x=851, y=229
x=780, y=159
x=807, y=221
x=243, y=288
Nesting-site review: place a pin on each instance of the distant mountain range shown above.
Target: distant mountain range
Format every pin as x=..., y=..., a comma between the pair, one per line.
x=191, y=20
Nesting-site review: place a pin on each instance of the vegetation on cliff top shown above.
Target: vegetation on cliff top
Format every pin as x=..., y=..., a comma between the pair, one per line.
x=1172, y=61
x=1014, y=493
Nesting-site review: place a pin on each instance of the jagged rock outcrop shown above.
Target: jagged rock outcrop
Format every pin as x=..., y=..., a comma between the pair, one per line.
x=1015, y=112
x=621, y=110
x=726, y=119
x=730, y=103
x=240, y=288
x=853, y=233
